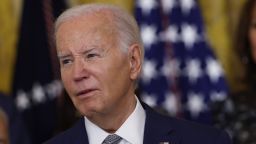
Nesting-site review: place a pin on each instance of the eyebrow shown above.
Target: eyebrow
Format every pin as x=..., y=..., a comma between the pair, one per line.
x=92, y=48
x=63, y=56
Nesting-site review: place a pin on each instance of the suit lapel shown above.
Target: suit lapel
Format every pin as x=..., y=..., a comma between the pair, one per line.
x=80, y=134
x=158, y=128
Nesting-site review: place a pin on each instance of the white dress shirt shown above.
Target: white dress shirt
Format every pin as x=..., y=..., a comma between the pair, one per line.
x=131, y=131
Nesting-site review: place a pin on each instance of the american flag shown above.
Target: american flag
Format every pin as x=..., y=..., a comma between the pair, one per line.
x=180, y=71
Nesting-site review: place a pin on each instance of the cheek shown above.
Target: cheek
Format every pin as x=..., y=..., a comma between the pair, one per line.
x=63, y=76
x=117, y=79
x=65, y=80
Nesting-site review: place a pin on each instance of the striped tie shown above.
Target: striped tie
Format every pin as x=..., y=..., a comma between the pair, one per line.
x=112, y=139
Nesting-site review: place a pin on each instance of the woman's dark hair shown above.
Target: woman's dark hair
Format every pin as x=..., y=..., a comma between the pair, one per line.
x=242, y=43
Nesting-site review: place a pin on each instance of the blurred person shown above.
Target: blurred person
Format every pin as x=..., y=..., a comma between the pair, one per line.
x=245, y=45
x=101, y=55
x=238, y=115
x=16, y=130
x=4, y=132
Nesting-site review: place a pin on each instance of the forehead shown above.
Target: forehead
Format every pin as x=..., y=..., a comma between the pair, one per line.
x=91, y=29
x=102, y=19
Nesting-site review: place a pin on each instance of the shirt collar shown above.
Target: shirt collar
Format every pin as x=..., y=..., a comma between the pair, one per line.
x=132, y=130
x=96, y=135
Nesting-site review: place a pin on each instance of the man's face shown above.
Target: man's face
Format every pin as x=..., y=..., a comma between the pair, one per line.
x=94, y=70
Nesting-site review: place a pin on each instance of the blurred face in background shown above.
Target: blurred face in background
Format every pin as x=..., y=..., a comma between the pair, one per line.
x=3, y=128
x=252, y=33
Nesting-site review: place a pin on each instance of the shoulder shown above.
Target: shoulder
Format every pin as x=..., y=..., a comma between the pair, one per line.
x=191, y=131
x=242, y=113
x=62, y=138
x=76, y=133
x=183, y=130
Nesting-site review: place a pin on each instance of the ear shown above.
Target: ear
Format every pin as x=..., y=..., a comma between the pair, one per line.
x=135, y=59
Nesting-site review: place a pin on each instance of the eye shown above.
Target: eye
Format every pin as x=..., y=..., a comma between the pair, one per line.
x=91, y=55
x=65, y=61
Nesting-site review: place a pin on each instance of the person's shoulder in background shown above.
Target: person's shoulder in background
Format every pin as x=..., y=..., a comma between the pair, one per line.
x=17, y=131
x=237, y=115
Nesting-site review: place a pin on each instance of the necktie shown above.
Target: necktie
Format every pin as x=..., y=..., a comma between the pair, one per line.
x=112, y=139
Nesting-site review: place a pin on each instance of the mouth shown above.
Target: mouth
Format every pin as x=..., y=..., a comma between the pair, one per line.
x=85, y=93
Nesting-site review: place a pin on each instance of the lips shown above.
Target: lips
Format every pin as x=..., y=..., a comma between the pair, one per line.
x=86, y=92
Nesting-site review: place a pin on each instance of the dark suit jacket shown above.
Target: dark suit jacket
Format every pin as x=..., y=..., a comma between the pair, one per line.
x=158, y=128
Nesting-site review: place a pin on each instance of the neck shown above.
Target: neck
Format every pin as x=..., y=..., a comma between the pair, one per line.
x=112, y=121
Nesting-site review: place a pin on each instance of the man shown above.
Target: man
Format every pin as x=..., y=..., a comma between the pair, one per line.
x=101, y=54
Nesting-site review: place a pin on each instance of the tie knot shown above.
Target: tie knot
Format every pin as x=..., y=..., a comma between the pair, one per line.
x=112, y=139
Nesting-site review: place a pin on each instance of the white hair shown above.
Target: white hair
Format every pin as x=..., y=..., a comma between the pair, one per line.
x=125, y=25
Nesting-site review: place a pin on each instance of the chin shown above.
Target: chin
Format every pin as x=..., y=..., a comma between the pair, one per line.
x=87, y=110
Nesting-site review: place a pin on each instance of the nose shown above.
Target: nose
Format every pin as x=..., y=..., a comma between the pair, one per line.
x=80, y=71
